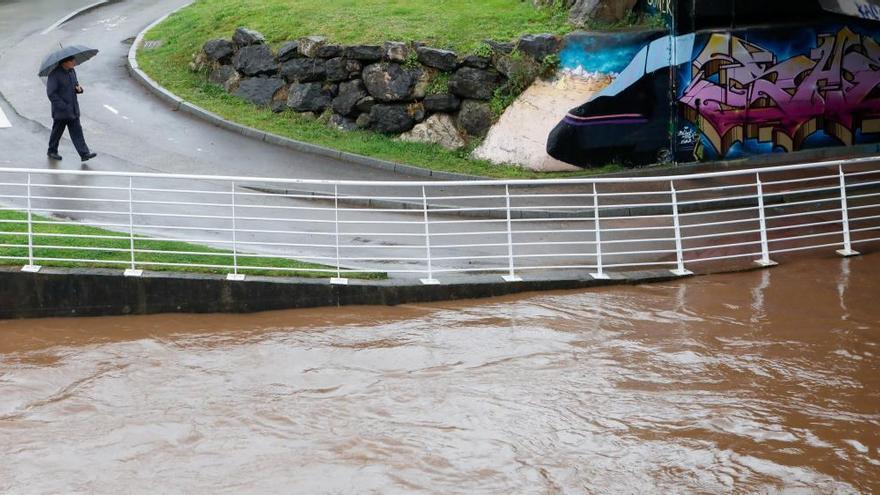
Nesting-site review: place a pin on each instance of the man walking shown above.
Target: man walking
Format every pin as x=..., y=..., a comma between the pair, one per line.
x=62, y=88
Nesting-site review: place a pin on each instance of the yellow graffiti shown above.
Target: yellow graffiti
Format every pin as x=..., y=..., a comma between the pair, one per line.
x=664, y=6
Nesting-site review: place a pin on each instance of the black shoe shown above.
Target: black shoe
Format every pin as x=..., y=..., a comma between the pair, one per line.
x=54, y=156
x=88, y=156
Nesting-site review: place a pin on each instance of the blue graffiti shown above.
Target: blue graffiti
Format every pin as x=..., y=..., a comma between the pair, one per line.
x=869, y=11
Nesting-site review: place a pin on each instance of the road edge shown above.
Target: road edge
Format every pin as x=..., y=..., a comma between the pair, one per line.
x=76, y=13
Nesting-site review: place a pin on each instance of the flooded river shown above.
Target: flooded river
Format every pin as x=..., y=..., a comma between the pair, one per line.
x=759, y=382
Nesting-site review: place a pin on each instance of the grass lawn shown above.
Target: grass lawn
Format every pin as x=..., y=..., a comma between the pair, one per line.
x=111, y=250
x=456, y=24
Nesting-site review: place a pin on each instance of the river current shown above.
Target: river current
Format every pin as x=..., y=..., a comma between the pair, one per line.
x=757, y=382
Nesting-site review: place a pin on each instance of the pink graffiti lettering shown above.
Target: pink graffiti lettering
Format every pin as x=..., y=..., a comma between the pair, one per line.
x=739, y=91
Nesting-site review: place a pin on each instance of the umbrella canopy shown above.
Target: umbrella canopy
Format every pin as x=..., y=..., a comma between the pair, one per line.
x=81, y=53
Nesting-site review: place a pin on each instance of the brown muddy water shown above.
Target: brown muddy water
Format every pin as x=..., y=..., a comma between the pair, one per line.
x=759, y=382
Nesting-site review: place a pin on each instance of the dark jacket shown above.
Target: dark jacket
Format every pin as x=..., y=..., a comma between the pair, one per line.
x=61, y=92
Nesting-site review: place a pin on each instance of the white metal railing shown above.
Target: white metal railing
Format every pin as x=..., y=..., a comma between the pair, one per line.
x=431, y=230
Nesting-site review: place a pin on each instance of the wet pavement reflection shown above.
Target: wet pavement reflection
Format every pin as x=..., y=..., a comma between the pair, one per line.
x=766, y=381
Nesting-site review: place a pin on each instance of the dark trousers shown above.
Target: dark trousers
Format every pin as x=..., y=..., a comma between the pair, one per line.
x=76, y=135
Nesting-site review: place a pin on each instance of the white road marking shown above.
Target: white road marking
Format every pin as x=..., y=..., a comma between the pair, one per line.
x=71, y=16
x=115, y=111
x=4, y=122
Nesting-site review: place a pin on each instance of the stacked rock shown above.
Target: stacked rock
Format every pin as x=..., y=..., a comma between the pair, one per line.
x=428, y=93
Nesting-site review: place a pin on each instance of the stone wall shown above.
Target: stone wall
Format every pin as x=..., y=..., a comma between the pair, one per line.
x=418, y=92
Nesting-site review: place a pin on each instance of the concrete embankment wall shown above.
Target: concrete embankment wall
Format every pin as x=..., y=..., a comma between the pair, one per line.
x=98, y=292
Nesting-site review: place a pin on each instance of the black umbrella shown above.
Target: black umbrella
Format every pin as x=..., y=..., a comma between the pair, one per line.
x=81, y=53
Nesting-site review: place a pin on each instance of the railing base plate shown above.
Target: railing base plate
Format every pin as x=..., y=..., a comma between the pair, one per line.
x=429, y=281
x=511, y=278
x=765, y=263
x=235, y=277
x=339, y=281
x=133, y=273
x=682, y=272
x=31, y=268
x=600, y=276
x=847, y=252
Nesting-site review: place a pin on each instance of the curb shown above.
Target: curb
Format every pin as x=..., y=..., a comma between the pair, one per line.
x=76, y=13
x=179, y=104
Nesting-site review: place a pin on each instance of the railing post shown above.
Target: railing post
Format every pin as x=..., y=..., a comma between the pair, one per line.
x=430, y=280
x=234, y=275
x=680, y=270
x=30, y=267
x=765, y=247
x=511, y=276
x=132, y=271
x=600, y=272
x=338, y=279
x=844, y=209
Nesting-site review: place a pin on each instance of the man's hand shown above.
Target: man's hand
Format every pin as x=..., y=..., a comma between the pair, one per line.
x=78, y=89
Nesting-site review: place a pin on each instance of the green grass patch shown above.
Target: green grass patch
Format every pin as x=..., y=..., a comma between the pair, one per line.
x=111, y=249
x=461, y=25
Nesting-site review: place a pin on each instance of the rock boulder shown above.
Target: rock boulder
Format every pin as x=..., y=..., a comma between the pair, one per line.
x=444, y=60
x=259, y=90
x=391, y=119
x=246, y=37
x=476, y=84
x=219, y=50
x=308, y=97
x=441, y=103
x=391, y=82
x=350, y=93
x=342, y=69
x=475, y=117
x=288, y=51
x=304, y=70
x=438, y=129
x=255, y=60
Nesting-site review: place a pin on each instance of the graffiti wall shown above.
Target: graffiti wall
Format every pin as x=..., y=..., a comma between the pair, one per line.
x=735, y=93
x=780, y=90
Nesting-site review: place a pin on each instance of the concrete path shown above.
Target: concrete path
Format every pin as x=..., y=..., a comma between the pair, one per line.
x=130, y=129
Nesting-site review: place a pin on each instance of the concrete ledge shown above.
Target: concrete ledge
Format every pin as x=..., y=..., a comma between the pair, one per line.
x=57, y=292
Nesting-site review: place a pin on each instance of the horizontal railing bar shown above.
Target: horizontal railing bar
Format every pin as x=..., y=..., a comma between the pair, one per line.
x=77, y=186
x=725, y=257
x=660, y=227
x=873, y=239
x=525, y=182
x=58, y=210
x=800, y=179
x=719, y=246
x=812, y=190
x=815, y=201
x=804, y=213
x=804, y=225
x=718, y=212
x=804, y=248
x=719, y=234
x=714, y=188
x=860, y=196
x=725, y=199
x=858, y=219
x=806, y=236
x=715, y=224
